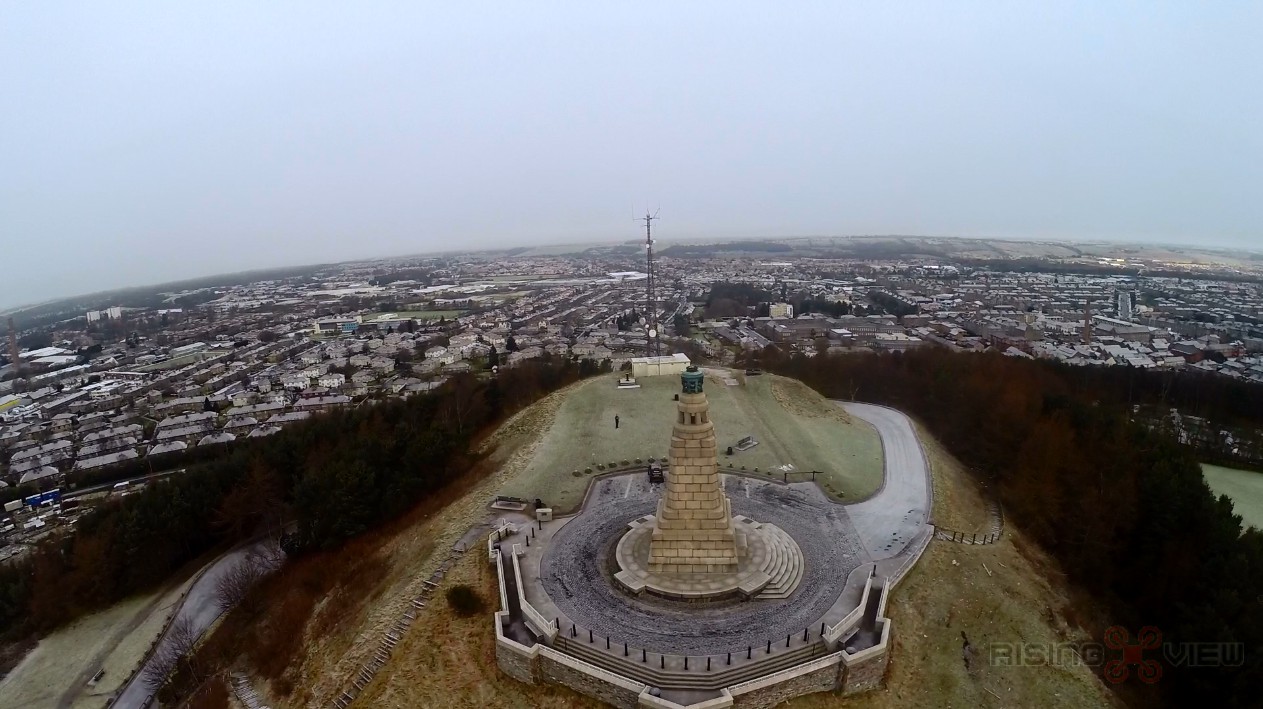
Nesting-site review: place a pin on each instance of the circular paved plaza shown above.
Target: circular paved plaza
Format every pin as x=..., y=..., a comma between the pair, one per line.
x=576, y=569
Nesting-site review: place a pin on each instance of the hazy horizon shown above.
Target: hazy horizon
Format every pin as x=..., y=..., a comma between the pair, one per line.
x=153, y=143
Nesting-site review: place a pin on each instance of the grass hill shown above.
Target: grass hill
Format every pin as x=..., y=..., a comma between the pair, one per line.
x=794, y=426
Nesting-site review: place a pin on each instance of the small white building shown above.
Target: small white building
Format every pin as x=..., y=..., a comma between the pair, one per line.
x=659, y=366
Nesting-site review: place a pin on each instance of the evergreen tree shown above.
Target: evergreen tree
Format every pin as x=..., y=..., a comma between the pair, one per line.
x=511, y=344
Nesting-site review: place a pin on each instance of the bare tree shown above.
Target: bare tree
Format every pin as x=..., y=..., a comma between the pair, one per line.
x=233, y=586
x=175, y=647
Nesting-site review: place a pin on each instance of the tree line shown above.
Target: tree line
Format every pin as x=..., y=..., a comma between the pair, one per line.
x=328, y=478
x=1123, y=507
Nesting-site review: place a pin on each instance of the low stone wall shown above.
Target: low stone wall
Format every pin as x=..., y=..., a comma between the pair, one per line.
x=822, y=675
x=834, y=634
x=922, y=544
x=838, y=672
x=589, y=679
x=515, y=659
x=538, y=624
x=865, y=670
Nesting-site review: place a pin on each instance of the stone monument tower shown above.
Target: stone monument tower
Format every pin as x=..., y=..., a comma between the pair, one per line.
x=693, y=530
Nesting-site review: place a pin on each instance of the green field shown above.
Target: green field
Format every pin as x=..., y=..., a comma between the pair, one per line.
x=793, y=425
x=1245, y=487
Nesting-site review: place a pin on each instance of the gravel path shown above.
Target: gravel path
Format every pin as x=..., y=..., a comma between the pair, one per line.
x=575, y=572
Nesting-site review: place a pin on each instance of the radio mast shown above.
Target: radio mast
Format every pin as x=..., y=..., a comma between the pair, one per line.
x=653, y=345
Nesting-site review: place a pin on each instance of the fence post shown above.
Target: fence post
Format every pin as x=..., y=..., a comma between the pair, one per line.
x=975, y=539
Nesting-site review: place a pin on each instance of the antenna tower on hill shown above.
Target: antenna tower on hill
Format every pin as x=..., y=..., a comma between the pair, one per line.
x=653, y=341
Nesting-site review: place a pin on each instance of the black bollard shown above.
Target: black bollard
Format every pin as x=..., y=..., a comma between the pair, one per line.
x=590, y=640
x=749, y=649
x=686, y=662
x=804, y=635
x=557, y=620
x=730, y=658
x=574, y=630
x=786, y=641
x=708, y=664
x=528, y=541
x=624, y=649
x=822, y=630
x=607, y=643
x=644, y=655
x=769, y=647
x=664, y=661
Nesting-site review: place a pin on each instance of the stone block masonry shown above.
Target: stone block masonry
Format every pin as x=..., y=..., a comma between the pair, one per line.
x=693, y=531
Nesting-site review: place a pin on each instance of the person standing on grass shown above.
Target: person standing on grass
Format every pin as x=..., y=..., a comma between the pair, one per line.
x=615, y=420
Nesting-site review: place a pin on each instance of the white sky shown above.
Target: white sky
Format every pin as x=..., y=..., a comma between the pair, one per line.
x=147, y=142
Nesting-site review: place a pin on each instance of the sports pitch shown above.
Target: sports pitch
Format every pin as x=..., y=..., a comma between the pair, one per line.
x=793, y=425
x=1245, y=487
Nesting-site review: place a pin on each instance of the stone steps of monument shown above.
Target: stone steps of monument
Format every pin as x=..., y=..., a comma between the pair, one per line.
x=697, y=677
x=777, y=561
x=788, y=570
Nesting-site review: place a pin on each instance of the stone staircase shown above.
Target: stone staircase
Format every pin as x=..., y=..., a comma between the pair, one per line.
x=245, y=692
x=391, y=638
x=697, y=677
x=784, y=563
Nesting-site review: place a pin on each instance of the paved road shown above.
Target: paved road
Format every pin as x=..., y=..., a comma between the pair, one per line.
x=889, y=520
x=199, y=605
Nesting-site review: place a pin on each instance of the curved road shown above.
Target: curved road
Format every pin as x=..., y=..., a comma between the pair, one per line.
x=889, y=520
x=200, y=606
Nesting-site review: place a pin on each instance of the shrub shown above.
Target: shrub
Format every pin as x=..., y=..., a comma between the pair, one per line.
x=638, y=461
x=465, y=601
x=626, y=462
x=576, y=473
x=587, y=470
x=600, y=466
